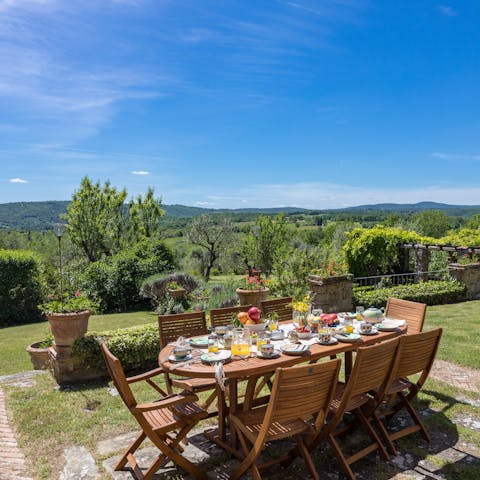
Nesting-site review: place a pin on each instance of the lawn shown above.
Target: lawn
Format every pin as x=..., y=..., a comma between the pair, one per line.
x=48, y=419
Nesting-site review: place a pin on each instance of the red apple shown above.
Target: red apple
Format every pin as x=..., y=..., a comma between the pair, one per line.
x=254, y=314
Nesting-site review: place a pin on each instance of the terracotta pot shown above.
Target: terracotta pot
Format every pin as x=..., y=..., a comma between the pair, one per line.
x=67, y=327
x=177, y=293
x=39, y=356
x=252, y=297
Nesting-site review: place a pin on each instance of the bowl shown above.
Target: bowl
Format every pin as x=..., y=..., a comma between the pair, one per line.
x=258, y=327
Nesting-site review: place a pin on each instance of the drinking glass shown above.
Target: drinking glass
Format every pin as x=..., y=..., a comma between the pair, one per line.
x=261, y=340
x=241, y=342
x=213, y=344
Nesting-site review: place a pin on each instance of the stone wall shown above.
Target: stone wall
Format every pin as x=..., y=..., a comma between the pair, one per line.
x=332, y=294
x=469, y=275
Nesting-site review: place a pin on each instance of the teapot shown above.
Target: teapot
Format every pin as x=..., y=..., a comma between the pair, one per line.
x=372, y=314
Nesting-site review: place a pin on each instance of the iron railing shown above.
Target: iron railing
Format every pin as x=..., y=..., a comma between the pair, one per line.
x=400, y=278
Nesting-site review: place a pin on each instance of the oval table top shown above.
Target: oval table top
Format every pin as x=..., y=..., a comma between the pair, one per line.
x=244, y=367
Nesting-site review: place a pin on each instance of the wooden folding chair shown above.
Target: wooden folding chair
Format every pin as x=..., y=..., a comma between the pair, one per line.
x=416, y=355
x=165, y=422
x=223, y=316
x=299, y=395
x=187, y=325
x=281, y=306
x=412, y=312
x=365, y=389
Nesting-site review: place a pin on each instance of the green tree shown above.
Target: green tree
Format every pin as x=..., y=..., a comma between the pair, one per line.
x=265, y=243
x=97, y=219
x=431, y=223
x=146, y=213
x=473, y=222
x=212, y=237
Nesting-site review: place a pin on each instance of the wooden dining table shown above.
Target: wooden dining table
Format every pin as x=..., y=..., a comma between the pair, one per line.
x=238, y=369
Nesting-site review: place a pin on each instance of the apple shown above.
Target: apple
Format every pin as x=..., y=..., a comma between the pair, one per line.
x=254, y=314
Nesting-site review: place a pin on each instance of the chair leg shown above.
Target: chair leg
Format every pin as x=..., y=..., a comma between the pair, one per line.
x=248, y=461
x=209, y=400
x=340, y=456
x=385, y=435
x=307, y=458
x=373, y=435
x=416, y=419
x=130, y=450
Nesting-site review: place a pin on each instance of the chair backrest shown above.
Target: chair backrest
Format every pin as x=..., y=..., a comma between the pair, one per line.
x=181, y=324
x=223, y=316
x=281, y=306
x=117, y=374
x=417, y=352
x=373, y=369
x=412, y=312
x=302, y=392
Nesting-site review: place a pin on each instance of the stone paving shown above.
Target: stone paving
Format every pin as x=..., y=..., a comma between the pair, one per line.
x=81, y=464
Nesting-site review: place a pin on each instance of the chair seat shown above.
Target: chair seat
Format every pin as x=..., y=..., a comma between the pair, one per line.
x=355, y=402
x=166, y=420
x=252, y=421
x=399, y=385
x=194, y=384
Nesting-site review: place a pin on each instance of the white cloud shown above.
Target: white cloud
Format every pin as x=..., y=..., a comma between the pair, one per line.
x=447, y=10
x=17, y=180
x=140, y=172
x=454, y=156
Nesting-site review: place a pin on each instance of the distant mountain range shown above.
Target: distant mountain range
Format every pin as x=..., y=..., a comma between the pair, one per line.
x=41, y=215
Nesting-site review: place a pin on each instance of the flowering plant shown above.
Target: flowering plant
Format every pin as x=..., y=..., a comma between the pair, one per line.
x=66, y=303
x=302, y=305
x=253, y=281
x=331, y=269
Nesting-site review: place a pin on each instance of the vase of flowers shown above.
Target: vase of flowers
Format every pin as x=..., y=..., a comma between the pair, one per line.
x=67, y=317
x=253, y=289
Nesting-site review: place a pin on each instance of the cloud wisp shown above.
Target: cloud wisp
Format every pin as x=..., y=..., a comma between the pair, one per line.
x=140, y=172
x=18, y=180
x=454, y=156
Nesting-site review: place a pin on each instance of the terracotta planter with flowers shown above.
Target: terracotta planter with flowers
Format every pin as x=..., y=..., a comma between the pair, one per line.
x=68, y=317
x=252, y=297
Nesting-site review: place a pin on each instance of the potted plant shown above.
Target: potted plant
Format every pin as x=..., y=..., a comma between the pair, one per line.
x=39, y=355
x=67, y=316
x=253, y=289
x=175, y=290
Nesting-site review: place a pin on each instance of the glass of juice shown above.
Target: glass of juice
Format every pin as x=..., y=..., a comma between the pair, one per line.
x=241, y=342
x=261, y=340
x=213, y=345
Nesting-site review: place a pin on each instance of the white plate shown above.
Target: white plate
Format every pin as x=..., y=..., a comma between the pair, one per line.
x=280, y=336
x=199, y=342
x=172, y=358
x=276, y=353
x=348, y=337
x=221, y=356
x=390, y=325
x=332, y=341
x=294, y=349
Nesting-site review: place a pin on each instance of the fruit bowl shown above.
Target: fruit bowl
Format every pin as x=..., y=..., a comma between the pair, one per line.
x=258, y=327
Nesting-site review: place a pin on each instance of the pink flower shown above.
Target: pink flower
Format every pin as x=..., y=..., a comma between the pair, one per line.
x=50, y=296
x=78, y=294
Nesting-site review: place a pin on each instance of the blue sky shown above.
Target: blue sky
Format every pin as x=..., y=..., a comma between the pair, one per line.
x=239, y=103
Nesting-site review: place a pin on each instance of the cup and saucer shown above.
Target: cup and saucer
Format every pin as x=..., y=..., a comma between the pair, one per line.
x=366, y=328
x=267, y=351
x=181, y=354
x=326, y=338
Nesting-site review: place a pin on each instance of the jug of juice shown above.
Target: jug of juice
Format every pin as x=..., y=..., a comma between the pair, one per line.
x=241, y=342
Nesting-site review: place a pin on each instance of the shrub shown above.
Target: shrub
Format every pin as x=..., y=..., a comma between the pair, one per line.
x=136, y=347
x=431, y=293
x=20, y=287
x=115, y=281
x=155, y=287
x=378, y=250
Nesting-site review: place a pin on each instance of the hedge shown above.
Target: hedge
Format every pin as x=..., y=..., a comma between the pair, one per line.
x=20, y=287
x=136, y=347
x=431, y=293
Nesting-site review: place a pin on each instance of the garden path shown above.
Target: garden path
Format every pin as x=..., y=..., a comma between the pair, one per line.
x=12, y=461
x=456, y=376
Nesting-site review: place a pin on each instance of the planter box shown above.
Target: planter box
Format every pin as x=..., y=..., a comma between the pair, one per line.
x=469, y=275
x=252, y=297
x=39, y=356
x=332, y=294
x=177, y=293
